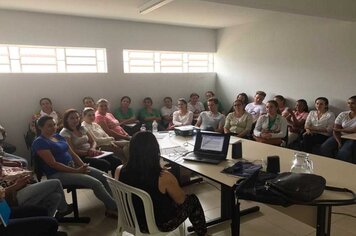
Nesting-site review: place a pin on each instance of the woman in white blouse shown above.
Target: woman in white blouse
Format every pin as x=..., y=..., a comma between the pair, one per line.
x=271, y=127
x=102, y=139
x=183, y=116
x=238, y=122
x=318, y=126
x=345, y=123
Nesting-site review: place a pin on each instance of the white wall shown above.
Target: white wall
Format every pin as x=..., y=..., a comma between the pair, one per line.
x=20, y=93
x=296, y=56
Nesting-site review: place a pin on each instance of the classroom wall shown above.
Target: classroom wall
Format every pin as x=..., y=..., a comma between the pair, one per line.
x=20, y=93
x=296, y=56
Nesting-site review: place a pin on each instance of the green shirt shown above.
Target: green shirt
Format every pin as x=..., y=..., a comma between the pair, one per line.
x=142, y=114
x=123, y=116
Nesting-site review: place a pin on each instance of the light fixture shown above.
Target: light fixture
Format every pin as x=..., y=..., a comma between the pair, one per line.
x=152, y=5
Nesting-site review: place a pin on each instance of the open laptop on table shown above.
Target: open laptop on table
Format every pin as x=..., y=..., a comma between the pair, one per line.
x=209, y=147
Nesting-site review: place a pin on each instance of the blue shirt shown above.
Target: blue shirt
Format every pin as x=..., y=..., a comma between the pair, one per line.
x=59, y=150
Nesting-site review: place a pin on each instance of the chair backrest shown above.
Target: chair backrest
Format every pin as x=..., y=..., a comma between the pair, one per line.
x=123, y=194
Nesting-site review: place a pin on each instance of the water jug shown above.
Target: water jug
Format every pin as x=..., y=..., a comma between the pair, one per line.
x=301, y=163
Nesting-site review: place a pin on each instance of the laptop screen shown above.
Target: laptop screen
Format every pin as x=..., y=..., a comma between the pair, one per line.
x=211, y=143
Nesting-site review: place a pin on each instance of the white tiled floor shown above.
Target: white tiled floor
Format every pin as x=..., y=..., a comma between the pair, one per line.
x=266, y=222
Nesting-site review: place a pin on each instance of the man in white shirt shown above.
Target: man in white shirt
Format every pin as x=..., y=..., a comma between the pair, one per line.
x=211, y=120
x=257, y=107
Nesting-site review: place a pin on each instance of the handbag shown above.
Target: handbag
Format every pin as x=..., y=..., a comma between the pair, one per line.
x=298, y=187
x=288, y=188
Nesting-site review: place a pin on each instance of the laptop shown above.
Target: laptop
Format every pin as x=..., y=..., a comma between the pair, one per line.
x=209, y=147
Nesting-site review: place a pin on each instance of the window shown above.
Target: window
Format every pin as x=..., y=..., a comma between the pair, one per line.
x=38, y=59
x=136, y=61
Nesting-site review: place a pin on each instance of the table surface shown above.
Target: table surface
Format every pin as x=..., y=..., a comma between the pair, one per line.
x=337, y=173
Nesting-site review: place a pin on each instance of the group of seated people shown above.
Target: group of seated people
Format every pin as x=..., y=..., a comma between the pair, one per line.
x=67, y=145
x=271, y=122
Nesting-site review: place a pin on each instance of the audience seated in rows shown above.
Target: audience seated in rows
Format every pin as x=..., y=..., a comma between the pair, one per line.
x=211, y=94
x=125, y=115
x=211, y=120
x=183, y=116
x=296, y=120
x=148, y=114
x=59, y=161
x=171, y=205
x=167, y=112
x=239, y=122
x=257, y=107
x=108, y=122
x=318, y=126
x=345, y=123
x=83, y=143
x=271, y=127
x=102, y=139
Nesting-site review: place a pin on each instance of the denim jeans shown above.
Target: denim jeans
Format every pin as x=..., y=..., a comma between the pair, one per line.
x=94, y=180
x=48, y=194
x=330, y=149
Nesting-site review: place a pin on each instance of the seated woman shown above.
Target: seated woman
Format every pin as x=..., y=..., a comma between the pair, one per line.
x=108, y=122
x=318, y=126
x=47, y=194
x=167, y=112
x=183, y=116
x=211, y=94
x=103, y=140
x=46, y=110
x=195, y=106
x=171, y=205
x=239, y=122
x=125, y=115
x=148, y=114
x=89, y=102
x=83, y=143
x=61, y=162
x=211, y=120
x=281, y=105
x=271, y=127
x=243, y=98
x=296, y=120
x=345, y=123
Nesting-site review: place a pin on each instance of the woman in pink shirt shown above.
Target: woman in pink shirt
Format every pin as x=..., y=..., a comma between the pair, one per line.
x=296, y=119
x=108, y=122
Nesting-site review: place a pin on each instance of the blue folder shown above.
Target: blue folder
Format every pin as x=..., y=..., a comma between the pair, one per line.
x=5, y=212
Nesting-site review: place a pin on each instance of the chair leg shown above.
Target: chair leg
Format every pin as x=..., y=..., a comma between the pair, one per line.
x=76, y=218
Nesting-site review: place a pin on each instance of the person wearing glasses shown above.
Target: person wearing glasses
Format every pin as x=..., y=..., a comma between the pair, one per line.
x=239, y=122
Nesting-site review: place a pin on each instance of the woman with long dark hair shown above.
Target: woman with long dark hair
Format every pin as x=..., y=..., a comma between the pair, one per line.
x=171, y=205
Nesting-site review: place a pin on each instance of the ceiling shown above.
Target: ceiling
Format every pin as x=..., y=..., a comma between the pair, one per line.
x=197, y=13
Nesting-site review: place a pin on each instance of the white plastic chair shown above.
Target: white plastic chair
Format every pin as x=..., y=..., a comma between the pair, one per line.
x=127, y=220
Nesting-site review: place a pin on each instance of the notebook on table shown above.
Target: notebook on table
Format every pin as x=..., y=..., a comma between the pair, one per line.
x=209, y=147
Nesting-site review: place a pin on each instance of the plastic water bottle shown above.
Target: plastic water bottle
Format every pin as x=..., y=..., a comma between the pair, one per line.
x=154, y=126
x=143, y=127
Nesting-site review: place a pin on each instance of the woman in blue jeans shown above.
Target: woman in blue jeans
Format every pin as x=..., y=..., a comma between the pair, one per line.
x=345, y=123
x=60, y=162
